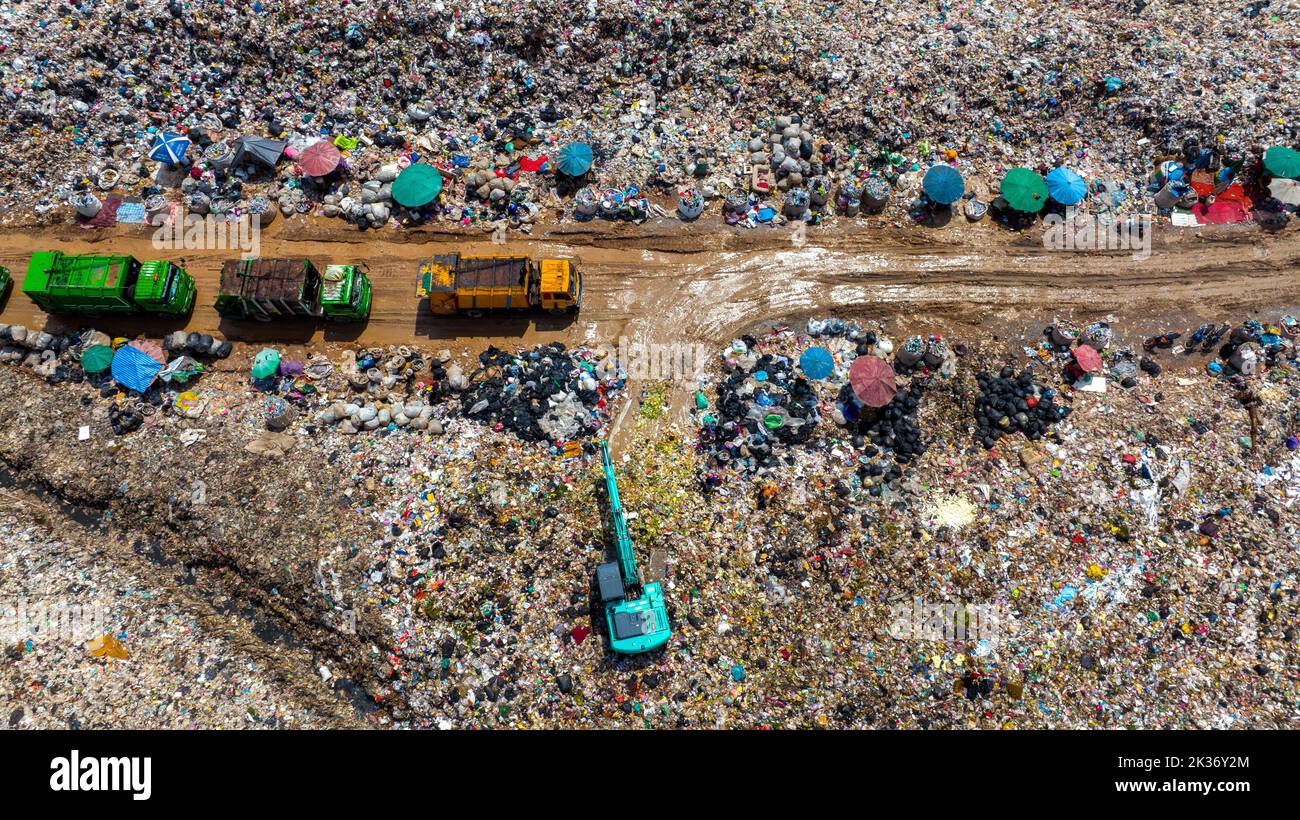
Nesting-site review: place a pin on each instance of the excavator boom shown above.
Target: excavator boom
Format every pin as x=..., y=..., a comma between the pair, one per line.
x=626, y=557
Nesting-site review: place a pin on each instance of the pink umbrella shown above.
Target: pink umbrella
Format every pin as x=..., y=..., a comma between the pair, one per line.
x=320, y=158
x=151, y=349
x=1088, y=358
x=873, y=381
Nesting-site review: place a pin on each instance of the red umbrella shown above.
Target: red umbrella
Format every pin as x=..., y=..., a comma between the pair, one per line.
x=320, y=158
x=873, y=380
x=1088, y=358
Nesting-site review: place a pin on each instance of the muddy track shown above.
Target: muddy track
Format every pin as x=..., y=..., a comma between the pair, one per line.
x=704, y=282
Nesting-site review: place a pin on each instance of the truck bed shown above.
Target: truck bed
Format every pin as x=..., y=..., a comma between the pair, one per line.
x=273, y=279
x=453, y=282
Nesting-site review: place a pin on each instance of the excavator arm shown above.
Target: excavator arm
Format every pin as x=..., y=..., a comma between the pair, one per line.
x=626, y=557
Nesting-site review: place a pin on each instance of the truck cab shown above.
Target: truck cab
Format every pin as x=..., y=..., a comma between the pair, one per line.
x=345, y=293
x=164, y=287
x=560, y=285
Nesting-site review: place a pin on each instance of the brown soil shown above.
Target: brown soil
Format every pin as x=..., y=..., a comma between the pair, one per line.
x=706, y=282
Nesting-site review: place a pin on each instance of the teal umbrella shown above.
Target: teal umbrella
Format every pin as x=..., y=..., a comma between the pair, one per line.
x=1024, y=190
x=943, y=184
x=266, y=363
x=1065, y=186
x=574, y=159
x=97, y=358
x=817, y=363
x=418, y=185
x=1281, y=161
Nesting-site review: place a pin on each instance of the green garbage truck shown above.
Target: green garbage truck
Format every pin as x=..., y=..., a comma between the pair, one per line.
x=100, y=283
x=267, y=289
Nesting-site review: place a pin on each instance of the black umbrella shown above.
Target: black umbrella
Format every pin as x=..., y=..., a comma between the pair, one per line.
x=265, y=151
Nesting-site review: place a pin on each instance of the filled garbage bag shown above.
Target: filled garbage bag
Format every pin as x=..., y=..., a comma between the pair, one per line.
x=266, y=363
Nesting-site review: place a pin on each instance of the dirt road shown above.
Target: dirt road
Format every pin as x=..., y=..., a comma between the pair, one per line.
x=670, y=282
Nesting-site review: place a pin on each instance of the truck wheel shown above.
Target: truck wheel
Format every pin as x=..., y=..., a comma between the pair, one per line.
x=474, y=314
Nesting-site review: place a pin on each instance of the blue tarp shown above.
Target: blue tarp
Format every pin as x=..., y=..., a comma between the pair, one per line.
x=817, y=363
x=169, y=148
x=1065, y=186
x=943, y=184
x=134, y=369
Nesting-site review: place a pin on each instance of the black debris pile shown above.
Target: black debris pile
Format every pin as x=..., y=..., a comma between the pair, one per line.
x=892, y=428
x=196, y=344
x=762, y=403
x=545, y=394
x=1010, y=403
x=124, y=419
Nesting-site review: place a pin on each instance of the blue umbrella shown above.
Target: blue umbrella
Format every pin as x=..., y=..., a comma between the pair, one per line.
x=943, y=184
x=134, y=369
x=1065, y=186
x=574, y=159
x=169, y=148
x=817, y=363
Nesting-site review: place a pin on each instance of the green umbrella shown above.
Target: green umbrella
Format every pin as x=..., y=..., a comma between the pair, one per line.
x=1281, y=161
x=266, y=363
x=1024, y=190
x=418, y=185
x=97, y=358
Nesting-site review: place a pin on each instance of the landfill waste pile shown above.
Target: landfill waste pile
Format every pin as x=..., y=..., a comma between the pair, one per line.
x=395, y=387
x=468, y=114
x=548, y=393
x=175, y=665
x=408, y=577
x=142, y=376
x=894, y=429
x=761, y=401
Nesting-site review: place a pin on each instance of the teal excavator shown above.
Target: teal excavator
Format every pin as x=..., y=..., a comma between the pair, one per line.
x=634, y=612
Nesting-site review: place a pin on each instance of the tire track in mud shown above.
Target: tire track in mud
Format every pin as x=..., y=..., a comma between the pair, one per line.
x=671, y=282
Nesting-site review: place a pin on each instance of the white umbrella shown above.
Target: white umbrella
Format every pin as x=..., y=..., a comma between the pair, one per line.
x=1285, y=190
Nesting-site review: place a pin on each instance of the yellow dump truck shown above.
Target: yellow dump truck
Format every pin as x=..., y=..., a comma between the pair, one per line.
x=475, y=284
